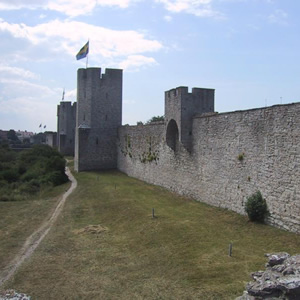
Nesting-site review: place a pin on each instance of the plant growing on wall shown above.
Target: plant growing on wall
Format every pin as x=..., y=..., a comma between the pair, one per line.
x=150, y=155
x=256, y=207
x=127, y=146
x=241, y=156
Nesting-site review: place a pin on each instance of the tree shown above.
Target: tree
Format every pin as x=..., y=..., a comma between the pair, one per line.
x=256, y=207
x=11, y=135
x=156, y=119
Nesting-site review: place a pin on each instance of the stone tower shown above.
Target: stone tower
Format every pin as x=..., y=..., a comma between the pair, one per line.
x=66, y=121
x=180, y=108
x=99, y=114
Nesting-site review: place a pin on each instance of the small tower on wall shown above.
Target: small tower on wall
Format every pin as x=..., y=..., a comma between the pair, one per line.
x=66, y=121
x=180, y=108
x=99, y=114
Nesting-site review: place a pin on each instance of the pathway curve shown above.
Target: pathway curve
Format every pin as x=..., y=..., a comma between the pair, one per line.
x=34, y=240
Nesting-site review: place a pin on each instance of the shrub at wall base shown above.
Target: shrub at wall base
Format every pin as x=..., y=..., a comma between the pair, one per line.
x=256, y=207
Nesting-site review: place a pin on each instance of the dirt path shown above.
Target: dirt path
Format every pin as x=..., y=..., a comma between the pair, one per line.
x=34, y=240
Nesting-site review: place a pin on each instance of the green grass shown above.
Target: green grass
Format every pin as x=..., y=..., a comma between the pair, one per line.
x=180, y=254
x=19, y=219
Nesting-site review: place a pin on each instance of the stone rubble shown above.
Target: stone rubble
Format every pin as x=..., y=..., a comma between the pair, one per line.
x=13, y=295
x=280, y=280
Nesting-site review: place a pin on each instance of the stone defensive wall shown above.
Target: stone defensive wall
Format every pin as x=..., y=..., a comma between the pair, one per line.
x=232, y=155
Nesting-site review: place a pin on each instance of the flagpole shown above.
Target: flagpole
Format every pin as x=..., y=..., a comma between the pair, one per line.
x=87, y=56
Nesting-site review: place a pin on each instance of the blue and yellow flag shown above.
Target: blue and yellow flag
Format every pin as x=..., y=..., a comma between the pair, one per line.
x=83, y=51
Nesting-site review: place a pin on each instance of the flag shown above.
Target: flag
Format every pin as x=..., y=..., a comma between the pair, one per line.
x=83, y=51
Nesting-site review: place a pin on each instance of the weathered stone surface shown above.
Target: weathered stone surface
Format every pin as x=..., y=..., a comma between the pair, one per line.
x=195, y=151
x=66, y=122
x=276, y=258
x=280, y=280
x=245, y=296
x=99, y=115
x=13, y=295
x=211, y=172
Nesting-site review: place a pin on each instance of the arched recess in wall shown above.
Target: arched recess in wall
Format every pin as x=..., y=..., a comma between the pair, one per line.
x=172, y=137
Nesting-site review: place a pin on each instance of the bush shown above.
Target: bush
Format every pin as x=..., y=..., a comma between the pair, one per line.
x=55, y=163
x=56, y=178
x=24, y=174
x=22, y=169
x=31, y=174
x=256, y=207
x=30, y=187
x=5, y=198
x=10, y=176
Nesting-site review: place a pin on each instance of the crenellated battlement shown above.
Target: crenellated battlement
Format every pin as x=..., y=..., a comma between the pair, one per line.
x=180, y=108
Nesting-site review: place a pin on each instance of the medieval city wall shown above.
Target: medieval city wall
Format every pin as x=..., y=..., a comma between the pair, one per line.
x=233, y=155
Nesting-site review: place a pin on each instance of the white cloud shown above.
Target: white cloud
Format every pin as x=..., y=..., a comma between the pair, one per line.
x=199, y=8
x=134, y=62
x=8, y=71
x=71, y=95
x=29, y=103
x=19, y=4
x=71, y=8
x=168, y=18
x=75, y=8
x=278, y=17
x=22, y=87
x=69, y=36
x=28, y=112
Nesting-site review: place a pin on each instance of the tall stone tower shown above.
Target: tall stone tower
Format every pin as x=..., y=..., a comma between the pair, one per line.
x=66, y=121
x=180, y=108
x=99, y=114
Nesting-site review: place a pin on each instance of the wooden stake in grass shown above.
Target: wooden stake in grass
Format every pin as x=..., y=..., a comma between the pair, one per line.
x=153, y=215
x=230, y=250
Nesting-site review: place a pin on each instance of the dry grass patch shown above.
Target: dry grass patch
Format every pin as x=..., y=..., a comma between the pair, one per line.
x=180, y=254
x=94, y=229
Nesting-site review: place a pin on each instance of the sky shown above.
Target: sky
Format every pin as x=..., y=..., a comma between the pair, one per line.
x=247, y=50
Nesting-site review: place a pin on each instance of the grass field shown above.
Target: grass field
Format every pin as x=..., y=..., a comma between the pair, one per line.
x=19, y=219
x=182, y=253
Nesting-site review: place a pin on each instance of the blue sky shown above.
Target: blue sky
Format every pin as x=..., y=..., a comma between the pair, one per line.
x=247, y=50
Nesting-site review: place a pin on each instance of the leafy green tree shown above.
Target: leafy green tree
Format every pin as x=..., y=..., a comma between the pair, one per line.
x=156, y=119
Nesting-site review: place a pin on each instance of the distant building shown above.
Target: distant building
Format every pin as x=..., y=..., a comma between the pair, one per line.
x=51, y=138
x=3, y=135
x=22, y=135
